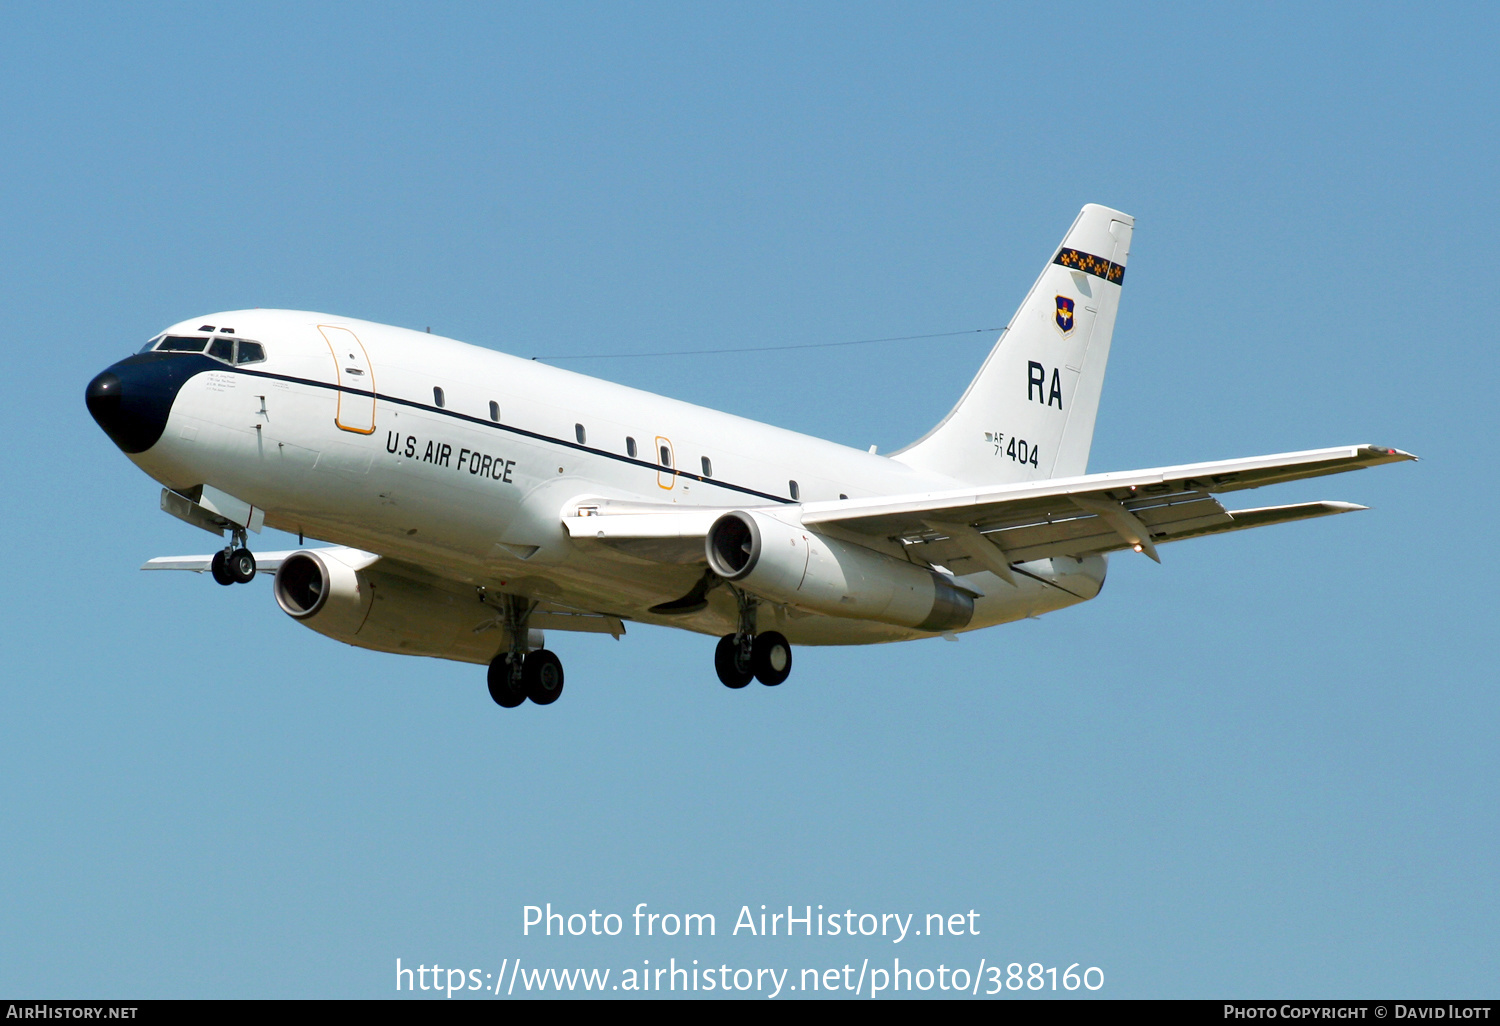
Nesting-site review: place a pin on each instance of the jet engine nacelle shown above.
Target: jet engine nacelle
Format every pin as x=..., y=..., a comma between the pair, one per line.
x=337, y=592
x=786, y=563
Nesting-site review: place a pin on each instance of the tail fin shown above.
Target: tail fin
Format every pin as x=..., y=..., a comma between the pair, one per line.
x=1029, y=413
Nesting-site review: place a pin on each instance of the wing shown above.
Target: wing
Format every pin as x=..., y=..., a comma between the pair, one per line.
x=991, y=528
x=265, y=562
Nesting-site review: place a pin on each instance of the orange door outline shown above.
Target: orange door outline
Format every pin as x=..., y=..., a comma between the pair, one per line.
x=351, y=369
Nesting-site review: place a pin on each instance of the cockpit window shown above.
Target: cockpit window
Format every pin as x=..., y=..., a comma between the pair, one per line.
x=181, y=344
x=249, y=352
x=149, y=345
x=229, y=350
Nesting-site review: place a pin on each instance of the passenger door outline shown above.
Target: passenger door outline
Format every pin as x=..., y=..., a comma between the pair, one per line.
x=351, y=368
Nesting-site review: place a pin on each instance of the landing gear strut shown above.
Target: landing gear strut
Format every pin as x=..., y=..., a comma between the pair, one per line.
x=767, y=657
x=233, y=564
x=519, y=672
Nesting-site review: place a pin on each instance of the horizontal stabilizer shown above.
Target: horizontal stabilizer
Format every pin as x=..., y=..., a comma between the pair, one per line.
x=1266, y=515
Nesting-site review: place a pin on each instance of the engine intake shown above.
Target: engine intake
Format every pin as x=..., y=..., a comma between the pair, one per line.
x=733, y=546
x=323, y=592
x=301, y=585
x=343, y=593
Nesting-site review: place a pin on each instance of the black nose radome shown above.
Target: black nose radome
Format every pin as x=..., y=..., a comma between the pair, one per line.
x=105, y=399
x=132, y=400
x=103, y=395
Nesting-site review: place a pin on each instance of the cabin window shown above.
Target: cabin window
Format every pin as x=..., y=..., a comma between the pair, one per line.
x=437, y=397
x=580, y=433
x=222, y=349
x=494, y=411
x=630, y=447
x=708, y=467
x=666, y=456
x=842, y=495
x=791, y=486
x=249, y=352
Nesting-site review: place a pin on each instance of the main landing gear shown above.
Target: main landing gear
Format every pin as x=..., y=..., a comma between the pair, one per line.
x=233, y=564
x=767, y=656
x=519, y=672
x=536, y=675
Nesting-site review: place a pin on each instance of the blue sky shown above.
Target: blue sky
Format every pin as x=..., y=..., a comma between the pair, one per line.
x=1266, y=767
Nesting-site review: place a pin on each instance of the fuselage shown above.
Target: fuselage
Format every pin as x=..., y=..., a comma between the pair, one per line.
x=462, y=461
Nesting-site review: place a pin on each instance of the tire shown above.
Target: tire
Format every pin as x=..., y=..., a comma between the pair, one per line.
x=507, y=695
x=543, y=675
x=732, y=672
x=219, y=567
x=771, y=658
x=242, y=566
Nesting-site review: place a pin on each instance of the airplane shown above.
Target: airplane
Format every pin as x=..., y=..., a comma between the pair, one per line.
x=476, y=500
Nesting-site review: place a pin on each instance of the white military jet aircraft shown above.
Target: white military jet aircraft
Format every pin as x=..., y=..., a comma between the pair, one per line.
x=476, y=500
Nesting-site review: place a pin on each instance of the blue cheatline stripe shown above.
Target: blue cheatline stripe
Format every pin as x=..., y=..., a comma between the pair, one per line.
x=482, y=422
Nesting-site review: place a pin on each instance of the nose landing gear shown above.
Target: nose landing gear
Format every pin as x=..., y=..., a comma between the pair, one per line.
x=767, y=657
x=234, y=563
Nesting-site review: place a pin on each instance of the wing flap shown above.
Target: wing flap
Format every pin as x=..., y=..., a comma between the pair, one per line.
x=1090, y=535
x=547, y=617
